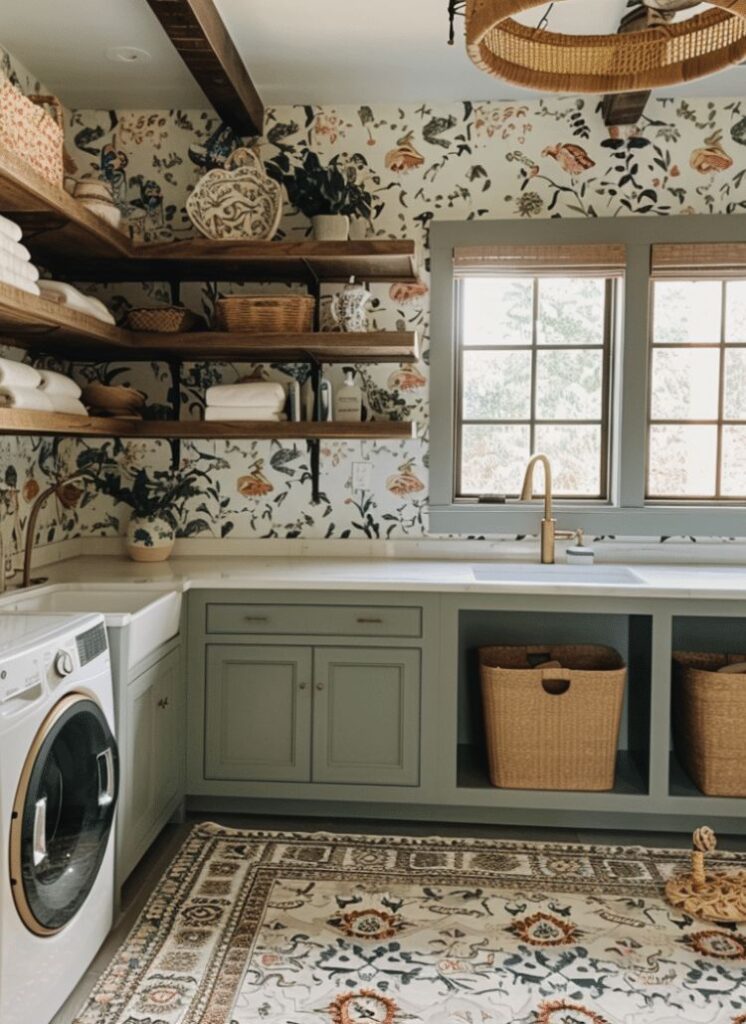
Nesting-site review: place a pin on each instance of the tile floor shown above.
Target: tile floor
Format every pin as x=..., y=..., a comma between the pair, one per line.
x=145, y=877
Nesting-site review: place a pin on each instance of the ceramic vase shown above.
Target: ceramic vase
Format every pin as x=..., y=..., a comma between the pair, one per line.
x=149, y=539
x=331, y=227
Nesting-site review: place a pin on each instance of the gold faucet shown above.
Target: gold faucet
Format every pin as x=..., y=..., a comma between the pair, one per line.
x=549, y=533
x=31, y=525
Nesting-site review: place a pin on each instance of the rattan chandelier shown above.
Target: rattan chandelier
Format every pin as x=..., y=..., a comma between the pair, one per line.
x=662, y=53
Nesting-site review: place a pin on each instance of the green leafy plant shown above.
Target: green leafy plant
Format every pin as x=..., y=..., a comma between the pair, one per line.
x=314, y=188
x=160, y=493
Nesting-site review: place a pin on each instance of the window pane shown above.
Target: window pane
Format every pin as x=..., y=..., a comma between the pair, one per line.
x=575, y=454
x=568, y=385
x=734, y=405
x=735, y=311
x=571, y=311
x=734, y=462
x=497, y=385
x=497, y=310
x=682, y=461
x=493, y=459
x=685, y=384
x=687, y=311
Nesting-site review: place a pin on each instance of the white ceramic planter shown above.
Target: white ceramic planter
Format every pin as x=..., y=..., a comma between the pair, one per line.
x=149, y=539
x=331, y=227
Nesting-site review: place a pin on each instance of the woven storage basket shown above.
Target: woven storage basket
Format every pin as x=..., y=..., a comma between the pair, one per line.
x=709, y=711
x=163, y=319
x=553, y=728
x=265, y=314
x=35, y=136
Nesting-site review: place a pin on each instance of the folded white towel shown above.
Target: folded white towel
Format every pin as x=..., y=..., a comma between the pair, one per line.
x=252, y=393
x=216, y=413
x=67, y=404
x=21, y=283
x=19, y=268
x=54, y=384
x=59, y=291
x=18, y=375
x=24, y=398
x=20, y=252
x=10, y=229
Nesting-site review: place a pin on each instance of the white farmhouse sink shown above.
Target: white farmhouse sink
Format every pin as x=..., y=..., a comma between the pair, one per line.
x=151, y=615
x=593, y=575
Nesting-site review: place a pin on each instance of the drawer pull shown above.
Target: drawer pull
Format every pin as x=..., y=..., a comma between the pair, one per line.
x=257, y=618
x=372, y=622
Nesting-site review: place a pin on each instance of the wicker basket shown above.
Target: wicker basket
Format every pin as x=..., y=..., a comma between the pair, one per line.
x=552, y=728
x=34, y=135
x=265, y=314
x=709, y=711
x=163, y=319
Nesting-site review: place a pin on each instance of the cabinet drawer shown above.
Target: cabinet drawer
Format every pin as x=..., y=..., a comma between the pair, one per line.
x=314, y=620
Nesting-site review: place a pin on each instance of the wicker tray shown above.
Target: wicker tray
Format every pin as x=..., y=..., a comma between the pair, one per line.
x=709, y=712
x=265, y=314
x=552, y=728
x=163, y=319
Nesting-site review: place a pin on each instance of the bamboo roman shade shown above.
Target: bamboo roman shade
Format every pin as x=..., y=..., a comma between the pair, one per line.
x=702, y=261
x=666, y=53
x=539, y=260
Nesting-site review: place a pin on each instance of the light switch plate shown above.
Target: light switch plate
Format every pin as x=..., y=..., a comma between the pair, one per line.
x=361, y=476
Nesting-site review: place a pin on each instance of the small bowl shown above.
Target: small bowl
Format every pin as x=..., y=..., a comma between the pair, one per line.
x=93, y=189
x=114, y=398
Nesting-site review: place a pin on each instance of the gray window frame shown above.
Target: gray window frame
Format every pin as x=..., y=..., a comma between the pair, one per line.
x=627, y=512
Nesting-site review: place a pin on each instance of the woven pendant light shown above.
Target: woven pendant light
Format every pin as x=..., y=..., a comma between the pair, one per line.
x=667, y=53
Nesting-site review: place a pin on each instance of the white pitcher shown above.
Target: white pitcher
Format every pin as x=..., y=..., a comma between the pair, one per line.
x=347, y=307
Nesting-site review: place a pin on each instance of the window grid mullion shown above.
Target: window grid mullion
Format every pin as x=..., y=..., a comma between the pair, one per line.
x=721, y=400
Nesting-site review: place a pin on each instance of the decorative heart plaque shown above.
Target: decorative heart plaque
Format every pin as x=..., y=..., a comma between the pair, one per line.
x=237, y=201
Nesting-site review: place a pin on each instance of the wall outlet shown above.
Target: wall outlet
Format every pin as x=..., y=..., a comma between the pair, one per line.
x=361, y=476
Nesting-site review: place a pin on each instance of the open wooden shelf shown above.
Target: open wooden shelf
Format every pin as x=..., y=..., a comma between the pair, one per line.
x=64, y=236
x=36, y=324
x=20, y=421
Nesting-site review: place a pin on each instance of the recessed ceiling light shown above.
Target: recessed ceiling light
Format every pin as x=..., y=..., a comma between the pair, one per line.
x=128, y=54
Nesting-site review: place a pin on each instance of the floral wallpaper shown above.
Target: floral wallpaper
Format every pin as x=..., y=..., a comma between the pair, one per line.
x=548, y=158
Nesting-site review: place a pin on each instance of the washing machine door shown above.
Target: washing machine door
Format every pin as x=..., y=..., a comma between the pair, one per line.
x=63, y=814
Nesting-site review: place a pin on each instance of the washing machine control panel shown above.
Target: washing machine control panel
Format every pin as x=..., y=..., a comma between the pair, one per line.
x=20, y=675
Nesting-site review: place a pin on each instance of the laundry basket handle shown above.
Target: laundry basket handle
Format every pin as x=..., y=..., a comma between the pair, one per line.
x=555, y=681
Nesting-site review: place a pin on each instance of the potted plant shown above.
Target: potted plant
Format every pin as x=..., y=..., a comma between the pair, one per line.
x=158, y=501
x=328, y=194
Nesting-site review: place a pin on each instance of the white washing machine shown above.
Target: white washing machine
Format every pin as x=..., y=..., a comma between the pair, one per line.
x=58, y=789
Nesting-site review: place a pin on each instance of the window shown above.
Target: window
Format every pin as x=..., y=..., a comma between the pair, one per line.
x=697, y=433
x=617, y=346
x=533, y=375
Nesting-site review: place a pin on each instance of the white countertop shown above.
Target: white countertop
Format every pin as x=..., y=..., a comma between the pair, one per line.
x=381, y=574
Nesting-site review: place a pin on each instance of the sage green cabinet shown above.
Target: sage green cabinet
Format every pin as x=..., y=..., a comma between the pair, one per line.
x=303, y=714
x=366, y=716
x=152, y=756
x=258, y=708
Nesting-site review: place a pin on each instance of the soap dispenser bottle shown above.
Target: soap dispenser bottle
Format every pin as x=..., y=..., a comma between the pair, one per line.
x=348, y=405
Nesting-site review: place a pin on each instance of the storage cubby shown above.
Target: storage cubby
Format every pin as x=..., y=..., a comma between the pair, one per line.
x=630, y=635
x=712, y=635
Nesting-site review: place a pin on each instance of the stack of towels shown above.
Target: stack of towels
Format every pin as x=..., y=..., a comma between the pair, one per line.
x=23, y=387
x=16, y=267
x=59, y=291
x=254, y=400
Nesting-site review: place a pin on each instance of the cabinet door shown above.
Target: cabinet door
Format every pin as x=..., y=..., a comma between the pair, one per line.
x=258, y=713
x=366, y=716
x=169, y=731
x=152, y=755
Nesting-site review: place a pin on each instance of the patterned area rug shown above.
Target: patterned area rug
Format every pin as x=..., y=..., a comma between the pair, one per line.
x=292, y=928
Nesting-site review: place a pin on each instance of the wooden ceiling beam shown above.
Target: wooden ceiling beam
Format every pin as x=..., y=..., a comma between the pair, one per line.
x=199, y=35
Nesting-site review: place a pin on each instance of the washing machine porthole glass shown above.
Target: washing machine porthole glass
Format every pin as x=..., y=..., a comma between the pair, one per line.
x=63, y=814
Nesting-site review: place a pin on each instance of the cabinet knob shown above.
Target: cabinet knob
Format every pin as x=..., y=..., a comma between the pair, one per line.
x=301, y=686
x=163, y=702
x=319, y=686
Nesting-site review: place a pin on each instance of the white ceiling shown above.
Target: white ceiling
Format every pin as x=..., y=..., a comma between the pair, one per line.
x=297, y=51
